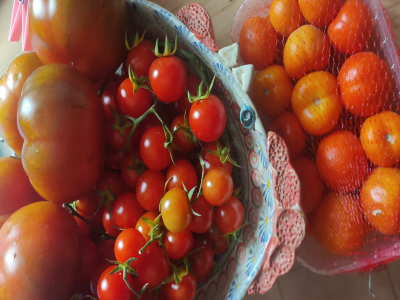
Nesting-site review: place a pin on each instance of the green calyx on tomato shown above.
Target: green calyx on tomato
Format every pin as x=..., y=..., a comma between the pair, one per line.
x=190, y=196
x=223, y=151
x=137, y=40
x=178, y=274
x=137, y=83
x=200, y=94
x=187, y=131
x=167, y=48
x=156, y=233
x=138, y=165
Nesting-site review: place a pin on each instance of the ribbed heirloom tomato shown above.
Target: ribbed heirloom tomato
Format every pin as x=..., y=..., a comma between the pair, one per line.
x=285, y=16
x=320, y=13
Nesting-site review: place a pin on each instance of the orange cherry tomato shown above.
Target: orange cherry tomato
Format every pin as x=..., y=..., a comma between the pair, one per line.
x=310, y=183
x=257, y=42
x=380, y=199
x=288, y=127
x=365, y=84
x=307, y=49
x=320, y=13
x=341, y=162
x=271, y=90
x=285, y=16
x=350, y=31
x=175, y=210
x=380, y=138
x=316, y=102
x=338, y=224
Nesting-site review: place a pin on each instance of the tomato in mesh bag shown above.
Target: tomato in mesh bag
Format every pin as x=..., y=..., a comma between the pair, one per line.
x=285, y=16
x=320, y=13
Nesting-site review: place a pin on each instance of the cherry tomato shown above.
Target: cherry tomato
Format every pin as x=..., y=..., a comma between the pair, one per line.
x=307, y=49
x=320, y=13
x=177, y=245
x=130, y=176
x=175, y=210
x=338, y=224
x=150, y=190
x=211, y=161
x=380, y=200
x=39, y=240
x=114, y=158
x=94, y=279
x=182, y=173
x=168, y=78
x=217, y=241
x=143, y=228
x=59, y=170
x=112, y=181
x=90, y=255
x=217, y=186
x=207, y=119
x=109, y=98
x=285, y=16
x=127, y=211
x=350, y=31
x=288, y=127
x=341, y=162
x=154, y=154
x=109, y=222
x=271, y=90
x=106, y=251
x=148, y=122
x=87, y=205
x=112, y=287
x=311, y=185
x=127, y=245
x=365, y=84
x=202, y=260
x=113, y=136
x=186, y=290
x=133, y=104
x=230, y=216
x=202, y=223
x=140, y=58
x=316, y=102
x=380, y=138
x=180, y=139
x=10, y=93
x=91, y=43
x=183, y=105
x=154, y=267
x=257, y=42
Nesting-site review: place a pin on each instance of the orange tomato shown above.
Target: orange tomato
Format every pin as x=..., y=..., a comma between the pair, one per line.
x=380, y=138
x=320, y=13
x=271, y=90
x=316, y=102
x=341, y=162
x=350, y=31
x=285, y=16
x=257, y=42
x=310, y=183
x=338, y=224
x=307, y=49
x=365, y=84
x=380, y=199
x=288, y=127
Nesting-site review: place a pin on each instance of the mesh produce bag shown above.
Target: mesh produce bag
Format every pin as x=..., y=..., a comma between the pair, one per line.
x=327, y=81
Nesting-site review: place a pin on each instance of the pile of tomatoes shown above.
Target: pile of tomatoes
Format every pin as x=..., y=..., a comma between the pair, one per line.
x=121, y=187
x=322, y=86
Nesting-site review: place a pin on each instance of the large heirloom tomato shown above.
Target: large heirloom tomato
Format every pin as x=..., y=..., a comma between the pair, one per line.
x=60, y=117
x=41, y=254
x=89, y=35
x=10, y=92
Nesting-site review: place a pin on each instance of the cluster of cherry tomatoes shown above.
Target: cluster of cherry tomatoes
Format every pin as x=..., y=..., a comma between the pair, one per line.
x=329, y=95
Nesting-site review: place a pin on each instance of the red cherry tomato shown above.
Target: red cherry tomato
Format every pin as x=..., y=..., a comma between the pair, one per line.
x=140, y=58
x=217, y=241
x=183, y=105
x=127, y=245
x=175, y=210
x=153, y=268
x=90, y=256
x=217, y=186
x=106, y=251
x=211, y=161
x=201, y=263
x=114, y=138
x=94, y=279
x=144, y=229
x=230, y=216
x=179, y=138
x=133, y=104
x=202, y=223
x=130, y=176
x=127, y=211
x=87, y=205
x=182, y=173
x=109, y=222
x=154, y=154
x=186, y=290
x=109, y=98
x=148, y=122
x=207, y=118
x=112, y=181
x=112, y=287
x=168, y=78
x=150, y=189
x=177, y=245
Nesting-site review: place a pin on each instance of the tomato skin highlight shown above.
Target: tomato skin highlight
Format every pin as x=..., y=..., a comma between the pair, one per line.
x=186, y=290
x=144, y=229
x=177, y=245
x=217, y=186
x=155, y=156
x=182, y=173
x=127, y=211
x=175, y=210
x=113, y=287
x=150, y=190
x=127, y=245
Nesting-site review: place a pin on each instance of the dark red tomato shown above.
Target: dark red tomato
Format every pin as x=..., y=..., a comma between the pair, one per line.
x=113, y=287
x=207, y=119
x=144, y=229
x=153, y=268
x=217, y=186
x=202, y=260
x=114, y=158
x=63, y=152
x=217, y=241
x=211, y=161
x=179, y=138
x=230, y=216
x=113, y=137
x=90, y=256
x=109, y=98
x=186, y=290
x=202, y=223
x=133, y=104
x=181, y=173
x=109, y=222
x=87, y=205
x=127, y=211
x=94, y=279
x=140, y=58
x=112, y=181
x=127, y=245
x=148, y=122
x=130, y=176
x=183, y=105
x=168, y=78
x=150, y=190
x=41, y=241
x=177, y=245
x=154, y=154
x=83, y=226
x=106, y=251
